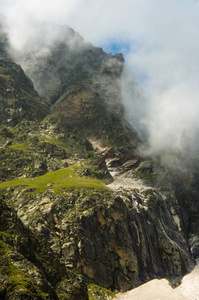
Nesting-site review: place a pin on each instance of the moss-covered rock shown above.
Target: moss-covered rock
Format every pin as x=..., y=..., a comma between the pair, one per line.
x=28, y=268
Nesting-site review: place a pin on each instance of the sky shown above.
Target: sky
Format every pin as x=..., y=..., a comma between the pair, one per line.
x=159, y=40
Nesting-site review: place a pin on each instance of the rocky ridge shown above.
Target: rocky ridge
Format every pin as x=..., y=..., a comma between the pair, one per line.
x=72, y=182
x=18, y=98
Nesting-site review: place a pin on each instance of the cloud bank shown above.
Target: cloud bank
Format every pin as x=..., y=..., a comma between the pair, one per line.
x=160, y=41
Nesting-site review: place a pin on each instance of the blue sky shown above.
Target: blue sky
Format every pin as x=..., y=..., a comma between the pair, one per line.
x=117, y=47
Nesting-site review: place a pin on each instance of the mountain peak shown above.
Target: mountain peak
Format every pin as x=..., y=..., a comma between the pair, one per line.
x=83, y=213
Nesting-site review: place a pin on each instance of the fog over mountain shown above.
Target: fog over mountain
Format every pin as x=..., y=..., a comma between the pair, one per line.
x=159, y=41
x=99, y=165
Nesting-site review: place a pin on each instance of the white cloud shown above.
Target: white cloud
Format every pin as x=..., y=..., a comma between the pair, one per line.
x=169, y=57
x=163, y=38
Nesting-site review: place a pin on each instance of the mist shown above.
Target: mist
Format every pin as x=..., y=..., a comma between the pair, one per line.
x=162, y=53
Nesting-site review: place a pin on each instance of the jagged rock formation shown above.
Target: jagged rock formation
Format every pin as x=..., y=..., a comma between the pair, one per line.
x=99, y=230
x=59, y=54
x=82, y=81
x=117, y=239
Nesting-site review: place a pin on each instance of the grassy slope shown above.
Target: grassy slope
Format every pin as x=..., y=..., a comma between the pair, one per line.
x=58, y=180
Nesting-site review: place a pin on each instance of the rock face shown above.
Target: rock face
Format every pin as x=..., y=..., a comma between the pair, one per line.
x=81, y=212
x=53, y=62
x=117, y=238
x=18, y=98
x=29, y=269
x=83, y=82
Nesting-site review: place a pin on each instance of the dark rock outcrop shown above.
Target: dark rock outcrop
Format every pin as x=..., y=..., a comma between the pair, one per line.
x=18, y=98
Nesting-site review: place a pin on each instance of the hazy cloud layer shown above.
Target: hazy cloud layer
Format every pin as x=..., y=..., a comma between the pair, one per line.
x=162, y=49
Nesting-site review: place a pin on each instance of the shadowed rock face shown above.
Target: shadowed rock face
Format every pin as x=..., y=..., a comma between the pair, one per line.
x=28, y=268
x=113, y=240
x=18, y=98
x=70, y=229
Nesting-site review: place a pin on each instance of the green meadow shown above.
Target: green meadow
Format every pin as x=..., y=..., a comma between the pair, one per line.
x=58, y=181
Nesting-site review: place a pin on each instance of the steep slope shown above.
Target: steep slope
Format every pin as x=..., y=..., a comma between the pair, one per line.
x=57, y=166
x=28, y=268
x=117, y=239
x=56, y=55
x=18, y=98
x=82, y=81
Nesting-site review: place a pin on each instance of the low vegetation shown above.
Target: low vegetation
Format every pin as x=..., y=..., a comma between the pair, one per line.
x=58, y=180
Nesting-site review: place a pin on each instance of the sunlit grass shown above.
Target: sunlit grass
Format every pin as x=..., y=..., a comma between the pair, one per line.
x=58, y=181
x=19, y=147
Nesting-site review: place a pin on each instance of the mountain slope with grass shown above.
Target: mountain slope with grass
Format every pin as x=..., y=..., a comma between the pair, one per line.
x=83, y=214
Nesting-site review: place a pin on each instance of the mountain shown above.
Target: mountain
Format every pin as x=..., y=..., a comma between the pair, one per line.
x=19, y=99
x=79, y=81
x=83, y=214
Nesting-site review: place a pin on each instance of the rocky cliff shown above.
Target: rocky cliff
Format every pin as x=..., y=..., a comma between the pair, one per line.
x=18, y=98
x=82, y=213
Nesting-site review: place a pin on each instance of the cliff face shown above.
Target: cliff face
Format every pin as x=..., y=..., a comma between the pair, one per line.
x=81, y=212
x=82, y=81
x=18, y=98
x=116, y=236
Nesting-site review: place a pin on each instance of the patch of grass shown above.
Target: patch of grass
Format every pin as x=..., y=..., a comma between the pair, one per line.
x=68, y=145
x=54, y=140
x=17, y=280
x=96, y=292
x=11, y=129
x=61, y=179
x=4, y=234
x=4, y=247
x=19, y=147
x=20, y=281
x=6, y=77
